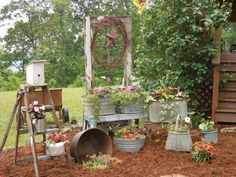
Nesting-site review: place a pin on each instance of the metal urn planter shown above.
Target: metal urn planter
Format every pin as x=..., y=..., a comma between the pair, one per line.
x=133, y=145
x=179, y=141
x=133, y=108
x=55, y=149
x=165, y=111
x=209, y=137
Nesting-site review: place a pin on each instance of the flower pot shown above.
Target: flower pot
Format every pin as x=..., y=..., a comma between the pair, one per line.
x=178, y=141
x=55, y=149
x=92, y=122
x=105, y=108
x=133, y=108
x=126, y=145
x=40, y=125
x=166, y=110
x=209, y=137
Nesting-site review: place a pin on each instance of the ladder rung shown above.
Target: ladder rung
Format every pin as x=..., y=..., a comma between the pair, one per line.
x=25, y=131
x=30, y=159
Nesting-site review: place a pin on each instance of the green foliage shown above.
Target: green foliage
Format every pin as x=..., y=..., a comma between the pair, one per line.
x=202, y=152
x=176, y=43
x=10, y=80
x=121, y=99
x=100, y=162
x=196, y=119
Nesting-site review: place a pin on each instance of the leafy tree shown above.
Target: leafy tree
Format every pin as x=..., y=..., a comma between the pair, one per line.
x=176, y=43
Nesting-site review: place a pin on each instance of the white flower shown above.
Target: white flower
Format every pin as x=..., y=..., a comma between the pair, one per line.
x=42, y=108
x=213, y=123
x=203, y=127
x=36, y=109
x=35, y=102
x=187, y=119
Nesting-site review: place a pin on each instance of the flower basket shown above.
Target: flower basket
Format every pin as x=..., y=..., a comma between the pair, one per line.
x=209, y=137
x=130, y=145
x=179, y=141
x=133, y=108
x=55, y=149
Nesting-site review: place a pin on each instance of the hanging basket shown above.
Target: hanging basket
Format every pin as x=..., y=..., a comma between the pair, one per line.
x=125, y=145
x=55, y=149
x=179, y=141
x=209, y=137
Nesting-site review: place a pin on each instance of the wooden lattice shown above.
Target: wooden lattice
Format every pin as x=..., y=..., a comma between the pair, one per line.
x=204, y=97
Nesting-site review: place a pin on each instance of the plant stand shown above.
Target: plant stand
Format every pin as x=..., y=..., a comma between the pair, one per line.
x=209, y=137
x=179, y=141
x=125, y=145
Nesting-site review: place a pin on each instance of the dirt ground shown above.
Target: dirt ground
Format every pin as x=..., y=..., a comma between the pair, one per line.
x=152, y=160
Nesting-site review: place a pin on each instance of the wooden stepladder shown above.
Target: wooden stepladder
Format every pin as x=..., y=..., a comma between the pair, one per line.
x=22, y=114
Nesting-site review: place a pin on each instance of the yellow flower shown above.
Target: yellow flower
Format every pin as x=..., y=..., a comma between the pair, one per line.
x=140, y=4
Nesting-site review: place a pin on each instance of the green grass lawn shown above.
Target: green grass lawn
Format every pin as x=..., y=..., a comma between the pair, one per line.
x=71, y=100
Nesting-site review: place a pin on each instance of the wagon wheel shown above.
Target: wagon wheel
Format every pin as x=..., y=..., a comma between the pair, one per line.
x=109, y=42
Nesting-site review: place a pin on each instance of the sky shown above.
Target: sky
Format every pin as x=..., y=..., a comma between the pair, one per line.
x=3, y=29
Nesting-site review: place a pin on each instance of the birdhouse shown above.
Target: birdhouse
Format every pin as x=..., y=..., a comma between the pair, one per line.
x=35, y=73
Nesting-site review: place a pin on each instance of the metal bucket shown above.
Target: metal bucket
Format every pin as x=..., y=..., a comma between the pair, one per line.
x=40, y=125
x=210, y=137
x=134, y=108
x=90, y=142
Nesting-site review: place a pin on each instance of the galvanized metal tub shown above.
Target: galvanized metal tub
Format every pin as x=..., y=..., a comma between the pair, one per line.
x=179, y=141
x=166, y=110
x=133, y=108
x=90, y=142
x=40, y=125
x=125, y=145
x=209, y=137
x=106, y=108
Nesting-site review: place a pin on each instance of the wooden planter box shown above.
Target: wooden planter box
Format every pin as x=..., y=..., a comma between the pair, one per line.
x=167, y=110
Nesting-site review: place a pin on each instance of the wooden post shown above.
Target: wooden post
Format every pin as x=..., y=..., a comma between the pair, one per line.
x=216, y=76
x=128, y=53
x=88, y=53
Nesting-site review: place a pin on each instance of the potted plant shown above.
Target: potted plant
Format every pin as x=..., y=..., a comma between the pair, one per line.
x=55, y=144
x=129, y=99
x=208, y=131
x=96, y=102
x=36, y=111
x=202, y=151
x=165, y=103
x=128, y=139
x=179, y=138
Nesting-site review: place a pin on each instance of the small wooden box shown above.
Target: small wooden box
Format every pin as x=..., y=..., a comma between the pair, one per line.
x=35, y=73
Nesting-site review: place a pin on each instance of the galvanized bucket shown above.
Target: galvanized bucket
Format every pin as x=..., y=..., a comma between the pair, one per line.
x=40, y=125
x=209, y=137
x=179, y=141
x=90, y=142
x=125, y=145
x=133, y=108
x=55, y=149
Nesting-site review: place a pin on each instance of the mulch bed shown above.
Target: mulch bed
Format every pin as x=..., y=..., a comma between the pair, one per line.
x=153, y=160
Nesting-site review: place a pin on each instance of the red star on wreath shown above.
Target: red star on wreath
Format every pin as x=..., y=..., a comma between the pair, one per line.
x=111, y=39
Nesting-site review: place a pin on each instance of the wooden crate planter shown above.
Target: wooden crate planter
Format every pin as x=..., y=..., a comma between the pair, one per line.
x=209, y=137
x=179, y=141
x=165, y=111
x=125, y=145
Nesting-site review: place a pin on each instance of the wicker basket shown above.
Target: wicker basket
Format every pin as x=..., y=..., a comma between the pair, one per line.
x=179, y=141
